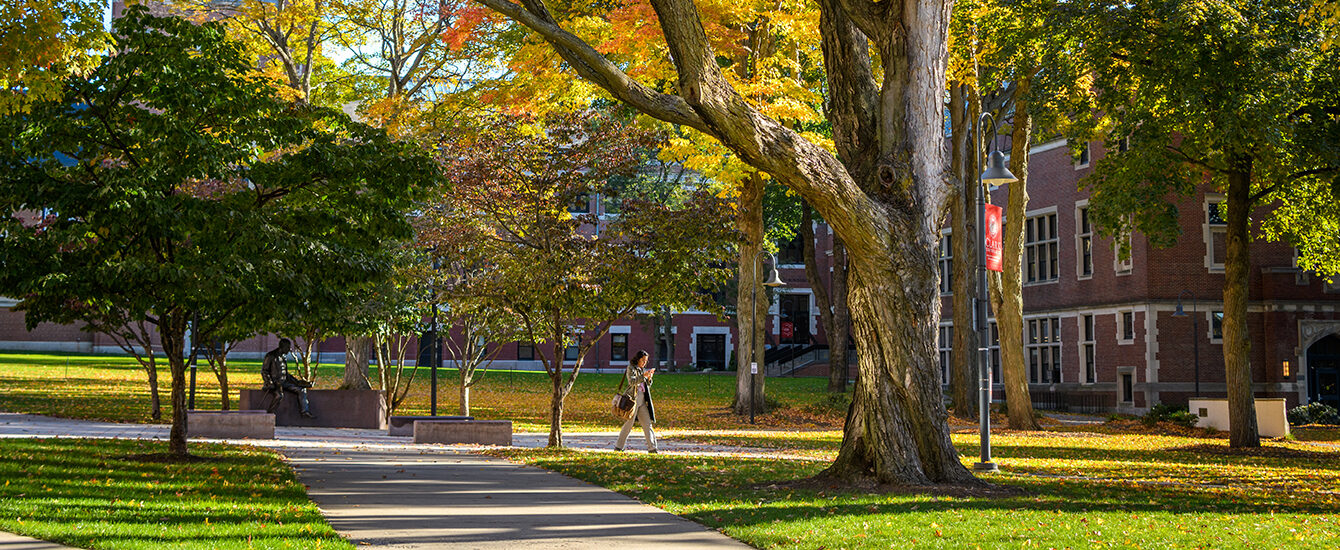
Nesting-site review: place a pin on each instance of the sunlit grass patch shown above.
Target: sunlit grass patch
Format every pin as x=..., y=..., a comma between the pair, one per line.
x=1069, y=491
x=103, y=493
x=105, y=387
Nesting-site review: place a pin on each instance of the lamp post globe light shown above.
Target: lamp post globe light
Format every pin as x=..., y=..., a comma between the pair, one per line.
x=1195, y=332
x=774, y=281
x=995, y=174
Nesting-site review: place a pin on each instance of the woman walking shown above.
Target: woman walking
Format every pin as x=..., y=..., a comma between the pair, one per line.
x=638, y=377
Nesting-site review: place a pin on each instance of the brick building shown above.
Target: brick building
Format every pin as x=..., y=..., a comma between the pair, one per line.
x=1101, y=333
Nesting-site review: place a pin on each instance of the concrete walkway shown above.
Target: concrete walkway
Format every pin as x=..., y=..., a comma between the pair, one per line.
x=415, y=498
x=10, y=541
x=386, y=492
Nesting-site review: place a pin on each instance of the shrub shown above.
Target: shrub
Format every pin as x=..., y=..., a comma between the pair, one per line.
x=1314, y=413
x=1169, y=413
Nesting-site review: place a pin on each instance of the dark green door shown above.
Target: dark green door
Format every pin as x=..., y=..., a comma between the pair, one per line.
x=1323, y=365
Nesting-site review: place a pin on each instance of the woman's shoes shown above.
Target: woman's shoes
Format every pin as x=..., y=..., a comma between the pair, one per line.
x=651, y=451
x=618, y=449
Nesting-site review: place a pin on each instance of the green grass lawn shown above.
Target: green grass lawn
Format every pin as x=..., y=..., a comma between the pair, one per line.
x=106, y=387
x=100, y=493
x=1063, y=490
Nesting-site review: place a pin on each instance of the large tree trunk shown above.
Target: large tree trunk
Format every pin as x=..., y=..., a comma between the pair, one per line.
x=896, y=428
x=1007, y=296
x=884, y=194
x=1242, y=430
x=963, y=107
x=356, y=363
x=750, y=347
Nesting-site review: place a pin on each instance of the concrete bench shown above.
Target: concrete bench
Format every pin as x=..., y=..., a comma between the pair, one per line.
x=230, y=424
x=404, y=425
x=472, y=432
x=333, y=408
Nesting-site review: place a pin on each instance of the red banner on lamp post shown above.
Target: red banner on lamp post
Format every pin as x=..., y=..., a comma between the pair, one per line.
x=993, y=242
x=788, y=330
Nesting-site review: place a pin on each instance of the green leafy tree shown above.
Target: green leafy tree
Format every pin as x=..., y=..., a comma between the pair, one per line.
x=1237, y=97
x=521, y=202
x=177, y=184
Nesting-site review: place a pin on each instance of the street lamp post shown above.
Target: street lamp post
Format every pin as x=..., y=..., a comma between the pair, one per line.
x=774, y=281
x=1195, y=333
x=995, y=174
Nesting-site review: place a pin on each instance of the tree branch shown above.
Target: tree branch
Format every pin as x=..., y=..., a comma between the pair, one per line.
x=593, y=66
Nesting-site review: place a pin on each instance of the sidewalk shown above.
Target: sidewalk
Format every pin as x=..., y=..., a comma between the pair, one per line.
x=421, y=499
x=10, y=541
x=387, y=492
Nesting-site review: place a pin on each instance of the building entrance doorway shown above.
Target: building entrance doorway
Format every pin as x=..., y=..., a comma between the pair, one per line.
x=712, y=351
x=794, y=309
x=1323, y=371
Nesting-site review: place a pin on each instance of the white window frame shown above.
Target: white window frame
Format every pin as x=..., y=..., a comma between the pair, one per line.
x=1208, y=231
x=1209, y=327
x=1088, y=348
x=1042, y=335
x=1080, y=236
x=1085, y=157
x=945, y=262
x=1052, y=245
x=1121, y=327
x=1123, y=372
x=945, y=347
x=1119, y=266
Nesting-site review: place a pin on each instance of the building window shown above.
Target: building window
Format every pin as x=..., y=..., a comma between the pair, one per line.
x=525, y=351
x=1128, y=387
x=1087, y=346
x=1124, y=144
x=1082, y=161
x=581, y=204
x=791, y=252
x=570, y=354
x=1216, y=234
x=619, y=347
x=1127, y=327
x=1216, y=326
x=1084, y=242
x=1123, y=253
x=946, y=346
x=1044, y=350
x=946, y=264
x=1331, y=286
x=1040, y=249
